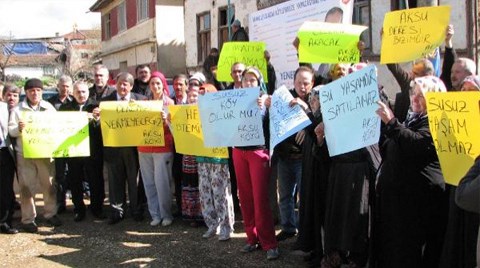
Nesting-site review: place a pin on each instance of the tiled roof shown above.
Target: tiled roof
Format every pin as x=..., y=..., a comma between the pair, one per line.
x=32, y=60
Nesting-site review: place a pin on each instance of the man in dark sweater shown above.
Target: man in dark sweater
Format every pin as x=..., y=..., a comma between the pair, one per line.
x=140, y=85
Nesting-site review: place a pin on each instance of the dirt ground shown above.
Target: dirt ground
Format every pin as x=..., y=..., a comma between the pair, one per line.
x=94, y=243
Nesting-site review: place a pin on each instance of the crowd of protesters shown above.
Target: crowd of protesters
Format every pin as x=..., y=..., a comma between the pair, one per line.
x=385, y=205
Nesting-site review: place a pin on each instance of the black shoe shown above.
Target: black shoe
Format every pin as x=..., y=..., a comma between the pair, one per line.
x=285, y=235
x=115, y=219
x=54, y=221
x=79, y=216
x=6, y=229
x=30, y=227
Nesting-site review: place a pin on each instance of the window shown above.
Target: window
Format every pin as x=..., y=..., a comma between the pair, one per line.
x=361, y=16
x=84, y=55
x=142, y=10
x=123, y=66
x=106, y=27
x=404, y=4
x=48, y=70
x=203, y=29
x=122, y=17
x=223, y=17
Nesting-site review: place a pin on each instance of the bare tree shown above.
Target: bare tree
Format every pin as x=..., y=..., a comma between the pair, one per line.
x=5, y=48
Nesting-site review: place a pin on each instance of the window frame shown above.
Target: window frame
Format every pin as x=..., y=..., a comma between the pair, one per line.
x=400, y=5
x=142, y=10
x=107, y=26
x=203, y=36
x=357, y=17
x=122, y=17
x=223, y=28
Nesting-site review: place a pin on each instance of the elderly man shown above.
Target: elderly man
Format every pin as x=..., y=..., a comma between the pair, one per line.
x=64, y=88
x=236, y=74
x=100, y=89
x=239, y=33
x=122, y=162
x=92, y=165
x=462, y=67
x=32, y=171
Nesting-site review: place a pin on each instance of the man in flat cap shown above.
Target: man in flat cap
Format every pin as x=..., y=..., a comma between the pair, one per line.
x=33, y=171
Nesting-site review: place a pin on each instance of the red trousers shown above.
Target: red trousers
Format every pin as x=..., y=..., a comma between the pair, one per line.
x=253, y=176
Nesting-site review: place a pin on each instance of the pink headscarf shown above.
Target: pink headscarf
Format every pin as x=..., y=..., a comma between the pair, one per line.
x=158, y=74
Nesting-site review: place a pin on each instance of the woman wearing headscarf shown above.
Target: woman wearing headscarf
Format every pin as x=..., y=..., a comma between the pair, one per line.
x=315, y=168
x=191, y=207
x=215, y=191
x=253, y=174
x=347, y=206
x=471, y=83
x=409, y=224
x=156, y=161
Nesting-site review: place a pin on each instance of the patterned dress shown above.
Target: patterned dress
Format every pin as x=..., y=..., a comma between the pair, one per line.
x=191, y=208
x=215, y=193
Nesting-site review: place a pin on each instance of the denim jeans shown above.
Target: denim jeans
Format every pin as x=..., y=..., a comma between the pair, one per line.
x=289, y=177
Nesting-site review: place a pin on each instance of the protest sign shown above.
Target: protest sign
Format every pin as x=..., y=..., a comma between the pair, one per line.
x=55, y=134
x=285, y=120
x=454, y=123
x=348, y=108
x=277, y=26
x=187, y=132
x=231, y=118
x=132, y=123
x=248, y=53
x=414, y=33
x=323, y=42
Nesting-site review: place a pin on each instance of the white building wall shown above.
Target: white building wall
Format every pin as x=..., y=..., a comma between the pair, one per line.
x=169, y=25
x=31, y=72
x=160, y=40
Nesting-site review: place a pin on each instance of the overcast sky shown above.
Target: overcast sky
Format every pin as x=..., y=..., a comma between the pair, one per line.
x=43, y=18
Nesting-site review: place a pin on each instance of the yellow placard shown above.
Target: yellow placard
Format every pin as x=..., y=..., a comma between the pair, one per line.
x=248, y=53
x=454, y=119
x=133, y=123
x=323, y=42
x=413, y=33
x=187, y=132
x=55, y=134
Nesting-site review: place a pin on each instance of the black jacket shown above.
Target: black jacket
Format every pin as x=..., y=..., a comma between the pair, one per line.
x=96, y=143
x=240, y=35
x=107, y=90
